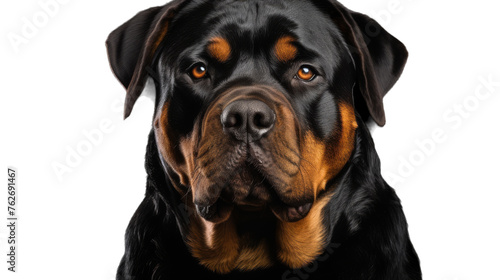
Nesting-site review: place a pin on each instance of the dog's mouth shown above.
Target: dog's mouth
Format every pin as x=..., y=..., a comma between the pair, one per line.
x=221, y=210
x=249, y=190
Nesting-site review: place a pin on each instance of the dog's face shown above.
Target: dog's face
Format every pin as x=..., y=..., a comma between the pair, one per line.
x=255, y=106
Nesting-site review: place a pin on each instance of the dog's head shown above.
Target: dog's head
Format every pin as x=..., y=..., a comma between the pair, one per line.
x=256, y=100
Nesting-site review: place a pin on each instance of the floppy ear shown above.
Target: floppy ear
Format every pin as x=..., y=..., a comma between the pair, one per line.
x=379, y=58
x=131, y=48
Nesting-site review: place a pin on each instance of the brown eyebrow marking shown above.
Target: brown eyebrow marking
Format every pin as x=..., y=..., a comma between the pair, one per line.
x=284, y=49
x=220, y=49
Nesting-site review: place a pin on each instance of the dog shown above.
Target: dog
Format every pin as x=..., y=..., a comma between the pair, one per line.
x=260, y=163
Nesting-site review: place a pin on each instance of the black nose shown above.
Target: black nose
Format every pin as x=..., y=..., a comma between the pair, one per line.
x=247, y=120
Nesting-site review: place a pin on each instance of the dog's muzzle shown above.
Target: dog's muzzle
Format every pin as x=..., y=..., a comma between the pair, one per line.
x=249, y=157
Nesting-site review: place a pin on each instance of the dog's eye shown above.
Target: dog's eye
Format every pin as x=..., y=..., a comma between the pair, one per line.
x=306, y=73
x=198, y=71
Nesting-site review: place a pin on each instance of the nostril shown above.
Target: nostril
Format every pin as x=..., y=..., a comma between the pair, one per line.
x=232, y=120
x=263, y=120
x=258, y=120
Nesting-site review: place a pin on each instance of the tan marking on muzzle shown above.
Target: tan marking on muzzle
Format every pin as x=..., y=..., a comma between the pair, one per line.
x=176, y=156
x=345, y=144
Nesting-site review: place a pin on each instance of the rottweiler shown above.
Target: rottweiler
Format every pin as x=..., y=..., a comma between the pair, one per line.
x=260, y=163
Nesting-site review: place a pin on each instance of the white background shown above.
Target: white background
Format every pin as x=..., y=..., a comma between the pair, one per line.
x=57, y=86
